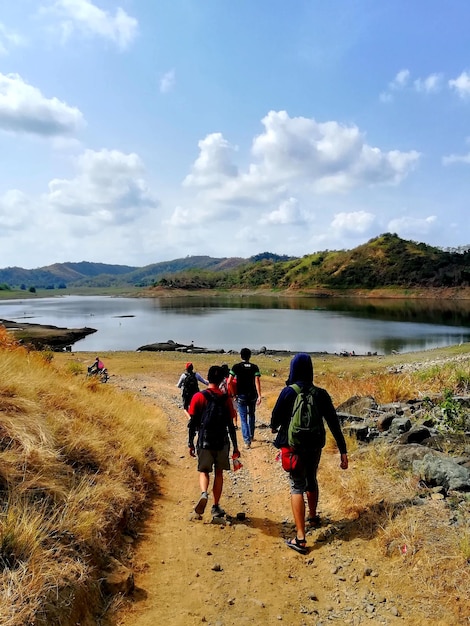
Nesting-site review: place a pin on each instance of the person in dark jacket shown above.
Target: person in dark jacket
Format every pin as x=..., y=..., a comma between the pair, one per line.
x=304, y=480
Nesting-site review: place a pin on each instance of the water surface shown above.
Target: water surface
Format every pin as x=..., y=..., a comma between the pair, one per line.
x=229, y=323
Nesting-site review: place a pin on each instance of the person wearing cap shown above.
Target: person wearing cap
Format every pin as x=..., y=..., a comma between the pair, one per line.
x=188, y=383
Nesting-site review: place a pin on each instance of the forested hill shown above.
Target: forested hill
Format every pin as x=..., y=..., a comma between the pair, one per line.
x=102, y=275
x=386, y=261
x=59, y=275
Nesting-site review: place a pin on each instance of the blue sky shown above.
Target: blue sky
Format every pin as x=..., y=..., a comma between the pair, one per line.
x=139, y=131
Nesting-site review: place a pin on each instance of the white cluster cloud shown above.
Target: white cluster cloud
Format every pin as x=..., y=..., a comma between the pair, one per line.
x=413, y=227
x=427, y=85
x=168, y=81
x=15, y=208
x=109, y=188
x=456, y=158
x=356, y=222
x=24, y=109
x=430, y=84
x=288, y=212
x=461, y=85
x=9, y=39
x=214, y=163
x=402, y=81
x=293, y=163
x=86, y=17
x=293, y=153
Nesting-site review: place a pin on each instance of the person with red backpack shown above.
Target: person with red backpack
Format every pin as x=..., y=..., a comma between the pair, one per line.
x=211, y=417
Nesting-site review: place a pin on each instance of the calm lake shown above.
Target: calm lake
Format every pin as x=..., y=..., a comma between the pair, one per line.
x=229, y=323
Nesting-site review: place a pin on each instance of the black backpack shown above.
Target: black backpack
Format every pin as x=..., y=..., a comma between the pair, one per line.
x=214, y=421
x=190, y=387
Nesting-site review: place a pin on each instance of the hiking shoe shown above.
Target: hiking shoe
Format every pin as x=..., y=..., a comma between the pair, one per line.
x=201, y=503
x=217, y=511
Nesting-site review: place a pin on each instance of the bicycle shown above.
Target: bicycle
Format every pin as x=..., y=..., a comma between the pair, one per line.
x=101, y=374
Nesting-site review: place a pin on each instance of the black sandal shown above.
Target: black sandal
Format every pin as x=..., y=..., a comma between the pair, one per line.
x=299, y=545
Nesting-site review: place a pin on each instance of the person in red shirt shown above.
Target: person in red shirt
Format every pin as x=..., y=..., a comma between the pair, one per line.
x=211, y=417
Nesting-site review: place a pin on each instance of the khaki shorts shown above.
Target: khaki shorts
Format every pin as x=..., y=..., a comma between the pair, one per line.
x=217, y=459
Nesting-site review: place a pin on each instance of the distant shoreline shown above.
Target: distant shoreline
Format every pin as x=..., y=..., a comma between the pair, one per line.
x=386, y=293
x=412, y=293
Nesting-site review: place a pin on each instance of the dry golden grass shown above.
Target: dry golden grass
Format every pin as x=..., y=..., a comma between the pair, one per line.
x=76, y=466
x=381, y=503
x=77, y=462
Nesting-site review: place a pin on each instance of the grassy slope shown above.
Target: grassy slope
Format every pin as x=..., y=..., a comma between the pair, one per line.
x=76, y=466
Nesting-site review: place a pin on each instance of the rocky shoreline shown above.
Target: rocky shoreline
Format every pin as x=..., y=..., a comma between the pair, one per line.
x=173, y=346
x=44, y=337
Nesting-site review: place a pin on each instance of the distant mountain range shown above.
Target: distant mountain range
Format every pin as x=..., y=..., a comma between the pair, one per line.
x=384, y=261
x=87, y=274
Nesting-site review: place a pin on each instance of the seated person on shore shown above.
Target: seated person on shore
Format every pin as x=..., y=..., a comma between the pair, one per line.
x=98, y=366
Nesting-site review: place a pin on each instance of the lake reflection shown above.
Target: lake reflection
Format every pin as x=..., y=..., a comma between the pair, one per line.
x=229, y=323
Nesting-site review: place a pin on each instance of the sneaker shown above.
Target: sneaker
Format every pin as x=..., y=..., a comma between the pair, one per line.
x=247, y=445
x=201, y=503
x=217, y=511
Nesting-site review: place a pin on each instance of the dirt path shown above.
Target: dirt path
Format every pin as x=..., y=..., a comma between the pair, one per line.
x=191, y=572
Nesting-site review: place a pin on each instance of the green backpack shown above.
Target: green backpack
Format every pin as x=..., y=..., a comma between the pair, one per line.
x=306, y=429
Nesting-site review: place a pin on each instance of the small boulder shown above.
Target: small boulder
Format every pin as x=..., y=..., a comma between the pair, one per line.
x=437, y=471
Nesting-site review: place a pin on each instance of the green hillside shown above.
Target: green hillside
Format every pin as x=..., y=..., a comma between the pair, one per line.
x=58, y=275
x=100, y=275
x=148, y=275
x=386, y=261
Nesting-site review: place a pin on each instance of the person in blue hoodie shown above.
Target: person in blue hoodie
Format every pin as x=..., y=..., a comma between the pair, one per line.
x=304, y=480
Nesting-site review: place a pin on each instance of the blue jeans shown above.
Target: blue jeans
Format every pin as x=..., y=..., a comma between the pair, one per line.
x=246, y=410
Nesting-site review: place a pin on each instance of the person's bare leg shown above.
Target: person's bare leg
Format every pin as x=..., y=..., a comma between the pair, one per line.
x=218, y=485
x=298, y=510
x=204, y=481
x=312, y=499
x=204, y=485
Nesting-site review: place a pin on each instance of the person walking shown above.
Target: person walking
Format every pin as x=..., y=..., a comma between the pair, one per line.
x=245, y=378
x=304, y=478
x=188, y=383
x=211, y=417
x=229, y=389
